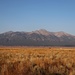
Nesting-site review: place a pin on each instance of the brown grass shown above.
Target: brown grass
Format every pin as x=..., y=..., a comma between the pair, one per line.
x=37, y=61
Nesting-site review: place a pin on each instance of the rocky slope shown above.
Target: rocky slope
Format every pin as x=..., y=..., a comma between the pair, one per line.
x=37, y=38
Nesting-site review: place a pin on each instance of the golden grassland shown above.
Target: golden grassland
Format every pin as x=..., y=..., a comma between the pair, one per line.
x=37, y=60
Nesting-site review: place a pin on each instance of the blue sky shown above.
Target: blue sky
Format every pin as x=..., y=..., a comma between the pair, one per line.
x=29, y=15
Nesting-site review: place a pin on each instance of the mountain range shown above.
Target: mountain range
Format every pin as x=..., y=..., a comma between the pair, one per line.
x=40, y=37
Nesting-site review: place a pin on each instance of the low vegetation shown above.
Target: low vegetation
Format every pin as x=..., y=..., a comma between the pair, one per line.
x=37, y=61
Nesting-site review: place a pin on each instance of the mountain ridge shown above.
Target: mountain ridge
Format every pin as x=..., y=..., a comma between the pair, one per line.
x=40, y=37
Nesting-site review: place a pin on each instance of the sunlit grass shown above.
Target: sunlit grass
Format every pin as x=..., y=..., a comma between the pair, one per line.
x=37, y=61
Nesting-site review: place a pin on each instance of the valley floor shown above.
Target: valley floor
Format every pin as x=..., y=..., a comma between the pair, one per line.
x=37, y=60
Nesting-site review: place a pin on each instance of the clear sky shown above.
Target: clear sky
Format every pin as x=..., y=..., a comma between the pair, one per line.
x=30, y=15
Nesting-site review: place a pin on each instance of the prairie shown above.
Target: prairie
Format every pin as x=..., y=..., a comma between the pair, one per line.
x=37, y=60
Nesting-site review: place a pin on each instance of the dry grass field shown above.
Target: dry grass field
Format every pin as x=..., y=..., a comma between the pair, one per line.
x=37, y=61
